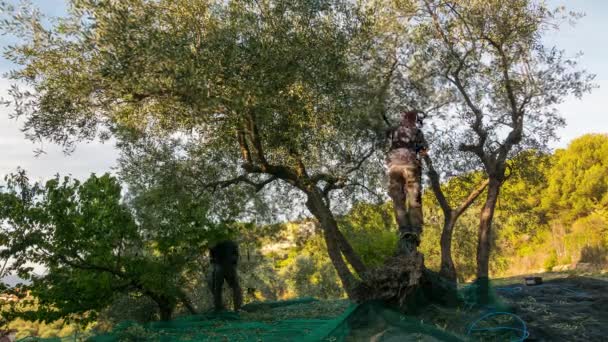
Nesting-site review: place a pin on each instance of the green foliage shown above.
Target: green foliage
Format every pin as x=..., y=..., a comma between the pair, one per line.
x=542, y=218
x=92, y=247
x=75, y=230
x=586, y=240
x=206, y=66
x=578, y=184
x=57, y=329
x=308, y=271
x=371, y=231
x=551, y=261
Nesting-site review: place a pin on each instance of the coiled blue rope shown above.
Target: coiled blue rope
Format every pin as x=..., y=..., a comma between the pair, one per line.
x=524, y=328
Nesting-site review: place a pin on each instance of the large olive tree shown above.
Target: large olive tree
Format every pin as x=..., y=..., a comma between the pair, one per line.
x=275, y=92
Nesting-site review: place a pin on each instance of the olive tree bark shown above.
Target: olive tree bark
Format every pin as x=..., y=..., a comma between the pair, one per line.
x=165, y=304
x=322, y=213
x=484, y=243
x=487, y=214
x=450, y=217
x=255, y=162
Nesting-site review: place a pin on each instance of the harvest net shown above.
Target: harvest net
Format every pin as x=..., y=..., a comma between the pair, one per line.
x=308, y=319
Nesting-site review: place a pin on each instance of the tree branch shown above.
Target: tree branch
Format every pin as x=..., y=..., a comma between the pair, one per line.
x=245, y=152
x=358, y=165
x=255, y=139
x=455, y=79
x=471, y=198
x=83, y=265
x=383, y=91
x=436, y=186
x=366, y=188
x=237, y=180
x=339, y=182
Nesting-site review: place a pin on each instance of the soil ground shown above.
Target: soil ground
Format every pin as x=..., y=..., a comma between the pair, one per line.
x=566, y=307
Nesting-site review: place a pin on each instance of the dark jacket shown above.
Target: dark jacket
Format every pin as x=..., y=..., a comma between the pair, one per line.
x=225, y=253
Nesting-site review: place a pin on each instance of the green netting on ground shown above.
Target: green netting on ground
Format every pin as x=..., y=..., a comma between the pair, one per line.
x=374, y=322
x=307, y=319
x=269, y=321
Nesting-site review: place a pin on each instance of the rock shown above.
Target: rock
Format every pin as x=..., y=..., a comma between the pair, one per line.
x=584, y=266
x=562, y=268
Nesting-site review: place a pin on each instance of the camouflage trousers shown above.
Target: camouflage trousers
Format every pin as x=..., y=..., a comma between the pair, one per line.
x=219, y=274
x=405, y=191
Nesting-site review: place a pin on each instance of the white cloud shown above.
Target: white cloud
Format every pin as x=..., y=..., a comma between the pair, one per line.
x=17, y=151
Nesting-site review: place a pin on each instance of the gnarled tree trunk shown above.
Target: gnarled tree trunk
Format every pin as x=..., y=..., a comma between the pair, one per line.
x=450, y=217
x=165, y=305
x=319, y=209
x=484, y=239
x=447, y=268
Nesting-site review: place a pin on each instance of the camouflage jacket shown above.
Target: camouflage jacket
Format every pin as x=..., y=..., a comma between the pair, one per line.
x=406, y=142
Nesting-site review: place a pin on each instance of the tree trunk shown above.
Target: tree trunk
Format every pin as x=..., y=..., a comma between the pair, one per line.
x=349, y=253
x=330, y=233
x=450, y=217
x=165, y=308
x=165, y=304
x=447, y=270
x=484, y=239
x=165, y=312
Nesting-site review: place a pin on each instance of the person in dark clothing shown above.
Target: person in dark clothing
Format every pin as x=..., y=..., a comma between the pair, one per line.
x=404, y=172
x=224, y=259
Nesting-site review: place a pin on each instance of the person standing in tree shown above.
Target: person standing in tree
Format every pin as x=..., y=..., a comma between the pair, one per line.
x=404, y=173
x=224, y=260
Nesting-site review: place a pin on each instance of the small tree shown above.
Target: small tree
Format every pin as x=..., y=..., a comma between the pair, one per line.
x=92, y=248
x=450, y=216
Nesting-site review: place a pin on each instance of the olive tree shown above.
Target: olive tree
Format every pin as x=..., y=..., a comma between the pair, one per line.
x=275, y=92
x=486, y=67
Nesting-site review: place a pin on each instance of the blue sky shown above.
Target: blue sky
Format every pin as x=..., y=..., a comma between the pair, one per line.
x=583, y=116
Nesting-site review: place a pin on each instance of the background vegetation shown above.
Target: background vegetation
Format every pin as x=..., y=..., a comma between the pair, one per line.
x=236, y=117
